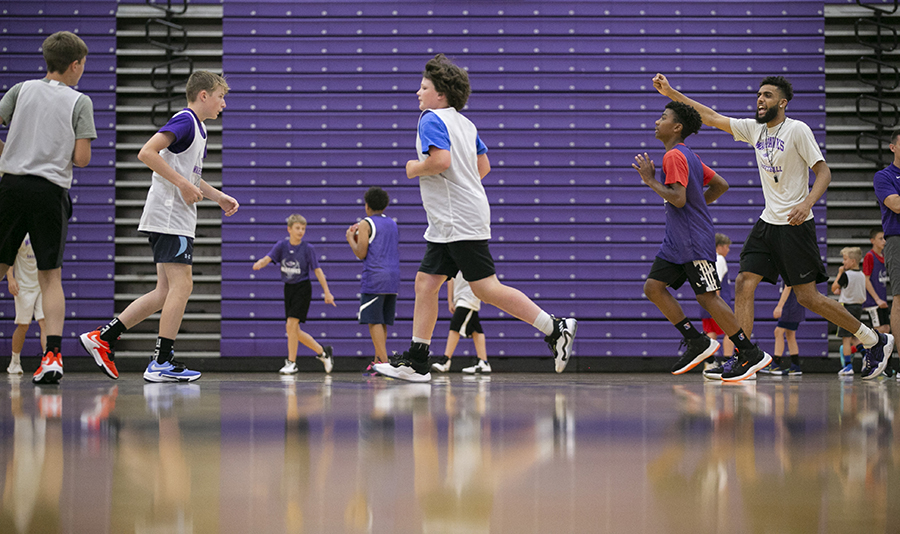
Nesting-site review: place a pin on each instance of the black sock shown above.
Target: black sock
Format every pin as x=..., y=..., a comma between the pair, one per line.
x=163, y=352
x=741, y=341
x=111, y=332
x=795, y=359
x=54, y=343
x=419, y=350
x=687, y=329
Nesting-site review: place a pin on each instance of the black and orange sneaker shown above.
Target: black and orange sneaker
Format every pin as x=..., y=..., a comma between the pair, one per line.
x=51, y=369
x=103, y=353
x=747, y=364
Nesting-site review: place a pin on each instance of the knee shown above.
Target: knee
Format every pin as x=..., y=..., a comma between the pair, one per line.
x=807, y=299
x=652, y=288
x=426, y=283
x=743, y=284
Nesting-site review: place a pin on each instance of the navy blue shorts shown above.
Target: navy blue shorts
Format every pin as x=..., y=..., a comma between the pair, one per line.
x=168, y=248
x=377, y=308
x=788, y=325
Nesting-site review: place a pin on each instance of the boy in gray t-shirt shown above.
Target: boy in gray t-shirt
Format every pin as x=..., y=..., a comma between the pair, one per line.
x=51, y=127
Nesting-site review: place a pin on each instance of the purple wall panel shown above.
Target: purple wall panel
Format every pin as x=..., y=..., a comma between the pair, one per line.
x=323, y=106
x=88, y=262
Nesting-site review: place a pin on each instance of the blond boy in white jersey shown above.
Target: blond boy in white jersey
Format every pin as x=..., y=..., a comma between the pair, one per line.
x=451, y=163
x=175, y=155
x=783, y=241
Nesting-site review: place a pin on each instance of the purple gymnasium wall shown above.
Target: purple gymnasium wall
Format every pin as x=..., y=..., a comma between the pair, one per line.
x=88, y=265
x=322, y=106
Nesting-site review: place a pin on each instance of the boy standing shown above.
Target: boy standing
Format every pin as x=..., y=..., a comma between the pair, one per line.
x=876, y=307
x=451, y=163
x=175, y=155
x=50, y=129
x=887, y=190
x=713, y=369
x=783, y=241
x=464, y=306
x=375, y=240
x=850, y=286
x=790, y=314
x=22, y=278
x=686, y=253
x=297, y=260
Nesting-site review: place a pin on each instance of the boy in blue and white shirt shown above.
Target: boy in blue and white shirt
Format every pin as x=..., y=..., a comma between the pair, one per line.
x=175, y=155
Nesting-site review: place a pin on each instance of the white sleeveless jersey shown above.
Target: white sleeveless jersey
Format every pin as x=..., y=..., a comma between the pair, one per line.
x=455, y=202
x=166, y=212
x=42, y=147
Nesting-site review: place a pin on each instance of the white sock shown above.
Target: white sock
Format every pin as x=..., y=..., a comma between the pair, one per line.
x=420, y=340
x=867, y=336
x=16, y=357
x=544, y=323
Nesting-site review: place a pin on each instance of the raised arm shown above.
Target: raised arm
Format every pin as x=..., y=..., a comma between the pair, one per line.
x=710, y=116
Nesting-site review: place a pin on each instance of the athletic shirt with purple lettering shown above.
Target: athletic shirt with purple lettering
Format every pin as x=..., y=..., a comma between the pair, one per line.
x=690, y=235
x=297, y=262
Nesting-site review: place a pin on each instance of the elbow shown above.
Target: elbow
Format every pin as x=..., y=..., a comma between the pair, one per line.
x=81, y=161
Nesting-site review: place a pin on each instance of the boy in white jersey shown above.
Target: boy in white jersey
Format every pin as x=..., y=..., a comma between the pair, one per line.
x=783, y=241
x=24, y=287
x=850, y=286
x=175, y=155
x=451, y=163
x=464, y=306
x=50, y=129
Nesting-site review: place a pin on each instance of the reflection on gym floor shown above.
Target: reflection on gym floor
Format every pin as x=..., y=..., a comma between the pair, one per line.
x=508, y=453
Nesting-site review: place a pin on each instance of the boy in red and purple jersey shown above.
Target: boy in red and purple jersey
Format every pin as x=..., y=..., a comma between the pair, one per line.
x=688, y=249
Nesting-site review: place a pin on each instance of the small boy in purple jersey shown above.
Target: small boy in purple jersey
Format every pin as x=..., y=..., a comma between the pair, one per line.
x=375, y=241
x=688, y=249
x=298, y=260
x=790, y=314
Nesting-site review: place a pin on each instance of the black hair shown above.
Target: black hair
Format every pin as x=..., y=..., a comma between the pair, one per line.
x=875, y=231
x=894, y=136
x=449, y=80
x=687, y=117
x=377, y=198
x=787, y=90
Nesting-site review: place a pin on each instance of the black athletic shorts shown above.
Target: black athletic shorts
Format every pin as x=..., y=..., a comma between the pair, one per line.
x=168, y=248
x=296, y=300
x=856, y=311
x=471, y=257
x=781, y=249
x=38, y=207
x=465, y=321
x=377, y=308
x=874, y=316
x=701, y=274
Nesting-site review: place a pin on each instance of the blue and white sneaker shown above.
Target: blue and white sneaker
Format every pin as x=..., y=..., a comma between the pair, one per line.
x=170, y=371
x=876, y=358
x=846, y=370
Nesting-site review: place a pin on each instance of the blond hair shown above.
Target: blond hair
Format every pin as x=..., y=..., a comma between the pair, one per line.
x=296, y=218
x=854, y=253
x=203, y=80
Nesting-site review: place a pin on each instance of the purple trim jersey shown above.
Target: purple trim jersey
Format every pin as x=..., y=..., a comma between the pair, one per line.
x=381, y=267
x=297, y=262
x=887, y=183
x=690, y=234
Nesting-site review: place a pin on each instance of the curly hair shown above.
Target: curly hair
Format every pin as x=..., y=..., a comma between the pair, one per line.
x=787, y=90
x=687, y=117
x=449, y=80
x=377, y=198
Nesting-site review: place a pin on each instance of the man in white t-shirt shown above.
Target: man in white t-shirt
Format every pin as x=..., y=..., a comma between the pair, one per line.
x=783, y=240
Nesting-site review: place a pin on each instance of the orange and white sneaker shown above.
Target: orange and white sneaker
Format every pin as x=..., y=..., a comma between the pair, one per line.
x=50, y=370
x=104, y=355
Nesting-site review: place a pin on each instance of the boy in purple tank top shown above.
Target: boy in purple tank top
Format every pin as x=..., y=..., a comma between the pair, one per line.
x=790, y=314
x=375, y=241
x=688, y=249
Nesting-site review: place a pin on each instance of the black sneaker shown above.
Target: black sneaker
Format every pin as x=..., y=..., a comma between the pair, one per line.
x=747, y=364
x=406, y=367
x=696, y=350
x=876, y=360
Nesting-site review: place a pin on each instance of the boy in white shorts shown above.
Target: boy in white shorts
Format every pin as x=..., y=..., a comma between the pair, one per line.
x=23, y=285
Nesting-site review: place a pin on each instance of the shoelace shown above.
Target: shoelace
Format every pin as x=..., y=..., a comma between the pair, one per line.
x=729, y=364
